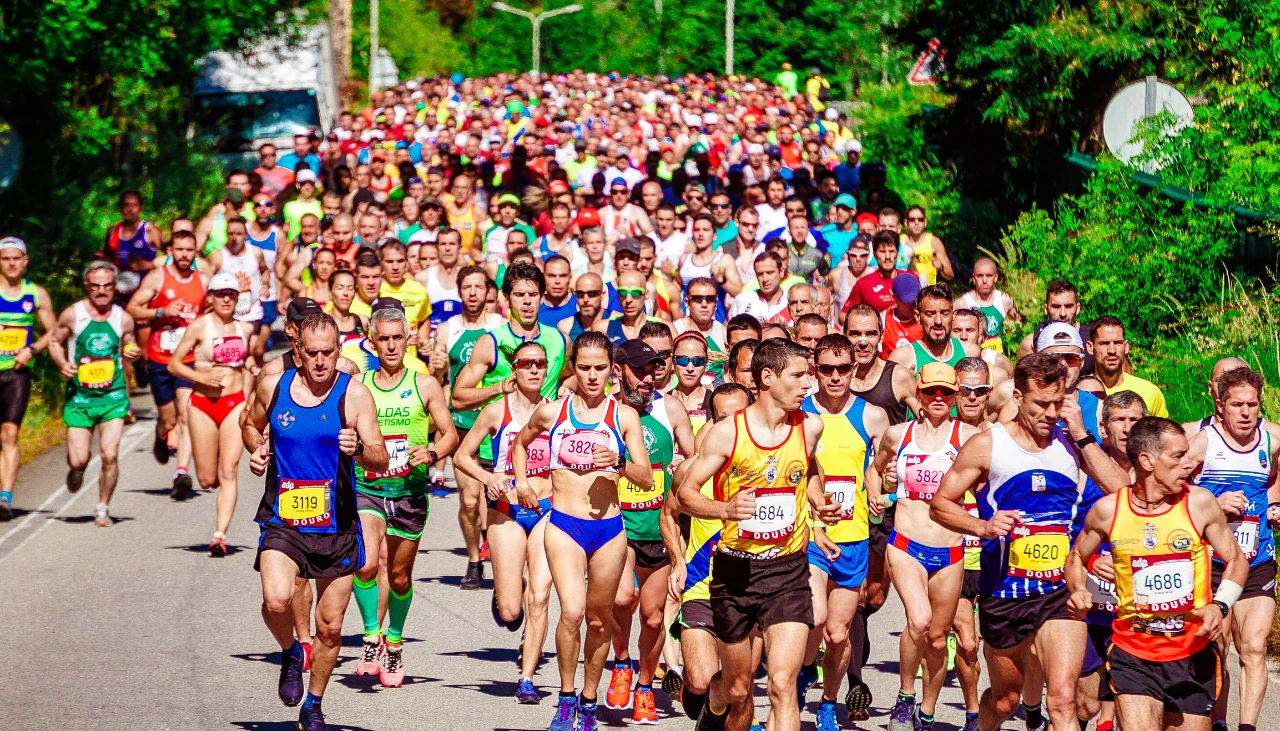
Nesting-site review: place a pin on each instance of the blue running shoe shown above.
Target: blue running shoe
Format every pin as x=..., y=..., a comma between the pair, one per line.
x=566, y=710
x=312, y=719
x=902, y=717
x=290, y=688
x=438, y=490
x=526, y=693
x=586, y=720
x=827, y=717
x=970, y=722
x=804, y=681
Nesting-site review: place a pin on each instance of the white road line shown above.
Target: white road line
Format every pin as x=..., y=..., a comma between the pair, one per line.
x=127, y=443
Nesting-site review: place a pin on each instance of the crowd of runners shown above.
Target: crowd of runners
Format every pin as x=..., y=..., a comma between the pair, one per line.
x=696, y=368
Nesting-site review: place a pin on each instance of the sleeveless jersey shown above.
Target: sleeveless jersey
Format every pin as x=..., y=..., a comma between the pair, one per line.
x=539, y=461
x=445, y=300
x=923, y=357
x=268, y=246
x=882, y=395
x=704, y=536
x=461, y=342
x=1226, y=469
x=310, y=484
x=641, y=507
x=922, y=253
x=779, y=474
x=134, y=247
x=995, y=313
x=920, y=472
x=17, y=317
x=844, y=451
x=1045, y=487
x=95, y=353
x=403, y=418
x=182, y=302
x=572, y=442
x=249, y=277
x=505, y=341
x=465, y=223
x=1162, y=577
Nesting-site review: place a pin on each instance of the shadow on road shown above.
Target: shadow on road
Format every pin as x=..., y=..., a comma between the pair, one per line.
x=75, y=519
x=232, y=549
x=369, y=683
x=288, y=726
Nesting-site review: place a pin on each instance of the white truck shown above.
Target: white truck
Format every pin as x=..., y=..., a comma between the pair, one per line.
x=269, y=93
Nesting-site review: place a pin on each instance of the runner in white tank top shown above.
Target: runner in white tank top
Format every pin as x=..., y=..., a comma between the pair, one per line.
x=249, y=277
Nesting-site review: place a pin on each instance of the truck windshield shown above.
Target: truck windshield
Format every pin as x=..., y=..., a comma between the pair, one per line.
x=233, y=120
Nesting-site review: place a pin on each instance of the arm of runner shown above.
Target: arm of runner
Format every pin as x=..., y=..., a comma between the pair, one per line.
x=48, y=320
x=1013, y=314
x=464, y=458
x=211, y=377
x=1096, y=524
x=681, y=427
x=61, y=331
x=904, y=387
x=1218, y=535
x=362, y=428
x=438, y=361
x=441, y=421
x=539, y=421
x=638, y=470
x=138, y=307
x=293, y=277
x=483, y=356
x=875, y=471
x=967, y=473
x=1095, y=462
x=264, y=274
x=729, y=280
x=712, y=457
x=941, y=260
x=254, y=422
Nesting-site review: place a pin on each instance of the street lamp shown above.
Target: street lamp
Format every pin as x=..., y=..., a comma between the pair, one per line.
x=537, y=23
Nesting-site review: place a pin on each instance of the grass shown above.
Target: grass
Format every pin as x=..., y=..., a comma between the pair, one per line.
x=42, y=428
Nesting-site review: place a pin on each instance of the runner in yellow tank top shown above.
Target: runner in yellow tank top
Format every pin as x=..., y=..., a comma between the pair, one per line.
x=766, y=485
x=927, y=250
x=1166, y=668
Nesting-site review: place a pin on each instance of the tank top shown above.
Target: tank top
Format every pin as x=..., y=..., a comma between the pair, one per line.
x=1227, y=469
x=505, y=341
x=460, y=344
x=249, y=277
x=898, y=333
x=539, y=462
x=445, y=300
x=223, y=350
x=690, y=271
x=882, y=395
x=920, y=471
x=844, y=451
x=465, y=223
x=994, y=311
x=922, y=253
x=17, y=318
x=217, y=234
x=310, y=485
x=641, y=506
x=405, y=422
x=348, y=336
x=572, y=442
x=1045, y=487
x=1162, y=577
x=96, y=356
x=268, y=246
x=779, y=474
x=182, y=301
x=924, y=357
x=134, y=247
x=704, y=536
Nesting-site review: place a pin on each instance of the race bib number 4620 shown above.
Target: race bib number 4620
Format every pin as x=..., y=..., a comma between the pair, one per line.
x=1038, y=552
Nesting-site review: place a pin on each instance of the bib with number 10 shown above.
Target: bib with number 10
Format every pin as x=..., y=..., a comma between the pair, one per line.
x=775, y=518
x=844, y=490
x=1038, y=551
x=304, y=503
x=577, y=448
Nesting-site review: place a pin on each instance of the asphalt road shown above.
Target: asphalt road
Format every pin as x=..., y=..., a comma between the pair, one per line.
x=135, y=627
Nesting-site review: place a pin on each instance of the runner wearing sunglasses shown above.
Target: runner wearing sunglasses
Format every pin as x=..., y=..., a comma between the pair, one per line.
x=691, y=366
x=924, y=557
x=516, y=521
x=626, y=326
x=589, y=291
x=700, y=298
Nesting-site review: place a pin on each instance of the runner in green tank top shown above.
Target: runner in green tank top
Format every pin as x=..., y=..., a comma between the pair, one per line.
x=934, y=308
x=100, y=338
x=393, y=504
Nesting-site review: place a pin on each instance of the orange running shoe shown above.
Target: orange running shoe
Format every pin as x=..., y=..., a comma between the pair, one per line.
x=645, y=713
x=619, y=696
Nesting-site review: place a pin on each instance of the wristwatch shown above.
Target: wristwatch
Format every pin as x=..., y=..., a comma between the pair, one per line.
x=622, y=463
x=359, y=449
x=1085, y=441
x=434, y=457
x=1222, y=606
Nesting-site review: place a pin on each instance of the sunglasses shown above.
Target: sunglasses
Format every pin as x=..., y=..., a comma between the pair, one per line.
x=976, y=391
x=701, y=299
x=664, y=354
x=636, y=293
x=937, y=391
x=590, y=293
x=719, y=206
x=104, y=286
x=829, y=369
x=697, y=198
x=522, y=363
x=263, y=204
x=1071, y=360
x=697, y=361
x=915, y=219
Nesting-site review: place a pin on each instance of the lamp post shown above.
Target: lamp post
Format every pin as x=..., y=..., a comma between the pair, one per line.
x=728, y=38
x=536, y=19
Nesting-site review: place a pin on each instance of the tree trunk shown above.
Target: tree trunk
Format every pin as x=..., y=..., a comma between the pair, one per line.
x=340, y=35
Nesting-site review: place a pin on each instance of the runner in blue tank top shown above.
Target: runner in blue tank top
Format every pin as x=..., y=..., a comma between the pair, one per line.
x=321, y=424
x=1027, y=475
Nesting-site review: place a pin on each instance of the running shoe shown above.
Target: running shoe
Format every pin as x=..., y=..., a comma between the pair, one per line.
x=919, y=723
x=586, y=720
x=757, y=725
x=181, y=486
x=527, y=694
x=672, y=683
x=511, y=626
x=857, y=701
x=75, y=478
x=619, y=696
x=804, y=681
x=902, y=716
x=708, y=721
x=646, y=712
x=475, y=573
x=6, y=507
x=160, y=448
x=485, y=554
x=371, y=658
x=218, y=547
x=306, y=655
x=102, y=517
x=827, y=717
x=312, y=719
x=290, y=687
x=970, y=722
x=438, y=490
x=566, y=712
x=391, y=671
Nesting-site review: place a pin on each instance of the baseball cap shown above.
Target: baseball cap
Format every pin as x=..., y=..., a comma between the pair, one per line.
x=300, y=308
x=1059, y=333
x=937, y=374
x=628, y=245
x=13, y=242
x=854, y=146
x=509, y=199
x=755, y=148
x=305, y=175
x=235, y=195
x=866, y=218
x=590, y=218
x=223, y=281
x=619, y=183
x=906, y=287
x=844, y=200
x=557, y=187
x=386, y=303
x=636, y=353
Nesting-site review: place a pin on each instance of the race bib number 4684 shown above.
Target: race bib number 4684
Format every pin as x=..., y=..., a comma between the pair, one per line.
x=775, y=518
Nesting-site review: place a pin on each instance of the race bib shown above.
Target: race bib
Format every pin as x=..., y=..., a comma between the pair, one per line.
x=843, y=490
x=96, y=372
x=1164, y=583
x=922, y=477
x=304, y=503
x=12, y=339
x=169, y=339
x=633, y=497
x=775, y=518
x=1246, y=533
x=576, y=449
x=539, y=462
x=1103, y=592
x=229, y=351
x=397, y=457
x=1038, y=552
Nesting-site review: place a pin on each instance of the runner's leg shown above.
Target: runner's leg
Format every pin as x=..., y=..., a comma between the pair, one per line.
x=278, y=576
x=818, y=585
x=331, y=605
x=944, y=594
x=623, y=608
x=967, y=667
x=653, y=600
x=470, y=507
x=1251, y=621
x=302, y=599
x=204, y=447
x=230, y=446
x=536, y=598
x=840, y=607
x=568, y=564
x=911, y=581
x=999, y=701
x=109, y=433
x=604, y=571
x=1064, y=641
x=182, y=402
x=1140, y=712
x=784, y=643
x=507, y=546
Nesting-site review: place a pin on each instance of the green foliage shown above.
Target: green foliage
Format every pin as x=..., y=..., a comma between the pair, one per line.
x=412, y=33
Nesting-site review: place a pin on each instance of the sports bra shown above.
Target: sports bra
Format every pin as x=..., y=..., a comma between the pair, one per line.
x=572, y=442
x=920, y=472
x=539, y=462
x=223, y=350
